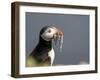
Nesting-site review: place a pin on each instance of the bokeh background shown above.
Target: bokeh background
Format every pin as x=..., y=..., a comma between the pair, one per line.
x=75, y=49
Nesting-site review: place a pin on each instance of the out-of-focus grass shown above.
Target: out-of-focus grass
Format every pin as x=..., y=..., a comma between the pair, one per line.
x=31, y=62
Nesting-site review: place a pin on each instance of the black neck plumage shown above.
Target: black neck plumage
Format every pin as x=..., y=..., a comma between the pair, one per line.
x=44, y=43
x=40, y=53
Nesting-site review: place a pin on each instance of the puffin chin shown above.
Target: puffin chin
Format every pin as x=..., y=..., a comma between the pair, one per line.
x=47, y=38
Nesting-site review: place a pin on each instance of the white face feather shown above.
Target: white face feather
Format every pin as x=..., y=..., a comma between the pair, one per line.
x=48, y=34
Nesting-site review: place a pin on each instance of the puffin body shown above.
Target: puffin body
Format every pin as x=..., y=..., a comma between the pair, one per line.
x=43, y=54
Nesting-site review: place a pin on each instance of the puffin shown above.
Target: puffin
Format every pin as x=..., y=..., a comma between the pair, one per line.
x=43, y=54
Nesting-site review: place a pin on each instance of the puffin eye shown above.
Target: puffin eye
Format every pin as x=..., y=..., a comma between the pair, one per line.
x=49, y=30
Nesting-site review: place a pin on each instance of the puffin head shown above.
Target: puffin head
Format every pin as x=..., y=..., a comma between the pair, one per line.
x=49, y=33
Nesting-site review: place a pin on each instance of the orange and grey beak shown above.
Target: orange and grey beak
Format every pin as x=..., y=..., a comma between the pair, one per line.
x=58, y=36
x=58, y=33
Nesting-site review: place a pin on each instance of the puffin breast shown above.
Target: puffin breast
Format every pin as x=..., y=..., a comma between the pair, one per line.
x=51, y=54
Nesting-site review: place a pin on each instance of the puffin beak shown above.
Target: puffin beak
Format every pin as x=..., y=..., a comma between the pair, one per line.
x=58, y=33
x=58, y=37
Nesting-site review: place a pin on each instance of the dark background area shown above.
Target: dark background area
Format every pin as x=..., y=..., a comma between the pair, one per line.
x=76, y=36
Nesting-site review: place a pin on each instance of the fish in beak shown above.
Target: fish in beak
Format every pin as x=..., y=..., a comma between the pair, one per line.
x=58, y=37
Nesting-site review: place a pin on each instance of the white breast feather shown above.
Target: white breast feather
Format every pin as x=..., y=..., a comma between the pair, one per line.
x=51, y=54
